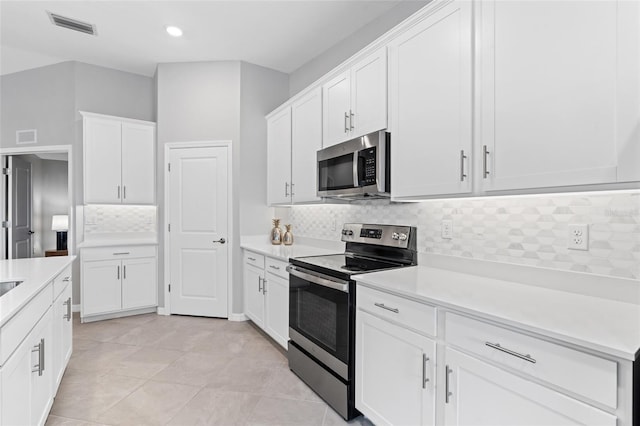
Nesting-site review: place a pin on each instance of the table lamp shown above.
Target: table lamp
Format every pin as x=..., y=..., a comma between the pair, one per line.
x=60, y=224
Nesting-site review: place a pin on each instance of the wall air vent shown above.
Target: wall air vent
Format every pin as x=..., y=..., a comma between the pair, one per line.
x=72, y=24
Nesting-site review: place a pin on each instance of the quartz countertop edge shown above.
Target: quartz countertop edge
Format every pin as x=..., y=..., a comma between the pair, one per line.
x=34, y=273
x=283, y=252
x=603, y=325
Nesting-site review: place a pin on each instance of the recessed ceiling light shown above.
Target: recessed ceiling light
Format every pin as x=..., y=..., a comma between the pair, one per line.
x=174, y=31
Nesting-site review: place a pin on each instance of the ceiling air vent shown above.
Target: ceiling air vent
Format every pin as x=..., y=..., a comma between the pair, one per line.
x=72, y=24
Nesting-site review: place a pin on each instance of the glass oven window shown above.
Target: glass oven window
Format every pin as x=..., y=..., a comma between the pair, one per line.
x=320, y=314
x=336, y=173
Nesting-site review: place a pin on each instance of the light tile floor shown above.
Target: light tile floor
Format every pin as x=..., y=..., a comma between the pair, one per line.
x=180, y=370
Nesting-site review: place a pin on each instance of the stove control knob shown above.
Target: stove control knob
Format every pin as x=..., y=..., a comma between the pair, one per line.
x=403, y=236
x=395, y=236
x=350, y=232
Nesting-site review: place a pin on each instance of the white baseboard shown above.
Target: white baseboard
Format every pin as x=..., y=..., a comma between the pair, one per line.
x=75, y=308
x=163, y=311
x=238, y=317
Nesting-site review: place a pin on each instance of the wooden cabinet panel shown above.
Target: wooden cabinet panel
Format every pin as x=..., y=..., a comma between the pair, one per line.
x=139, y=283
x=101, y=287
x=336, y=100
x=138, y=164
x=276, y=308
x=254, y=298
x=102, y=161
x=279, y=158
x=306, y=140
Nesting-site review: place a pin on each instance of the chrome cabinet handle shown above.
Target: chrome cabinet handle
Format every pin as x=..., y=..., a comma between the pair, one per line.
x=124, y=272
x=121, y=253
x=382, y=305
x=425, y=379
x=118, y=273
x=118, y=192
x=351, y=115
x=497, y=346
x=447, y=393
x=66, y=279
x=462, y=173
x=286, y=189
x=274, y=267
x=221, y=241
x=253, y=259
x=67, y=316
x=124, y=192
x=485, y=154
x=264, y=286
x=292, y=194
x=346, y=126
x=39, y=367
x=259, y=284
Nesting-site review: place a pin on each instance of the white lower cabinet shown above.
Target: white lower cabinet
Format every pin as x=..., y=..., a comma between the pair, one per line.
x=62, y=334
x=395, y=368
x=480, y=394
x=118, y=280
x=266, y=287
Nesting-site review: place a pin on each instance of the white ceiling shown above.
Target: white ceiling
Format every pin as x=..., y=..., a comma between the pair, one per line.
x=282, y=35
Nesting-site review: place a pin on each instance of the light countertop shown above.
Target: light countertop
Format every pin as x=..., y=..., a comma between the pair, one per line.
x=34, y=273
x=602, y=324
x=298, y=249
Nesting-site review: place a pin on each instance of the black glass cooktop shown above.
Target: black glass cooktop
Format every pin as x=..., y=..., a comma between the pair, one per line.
x=347, y=263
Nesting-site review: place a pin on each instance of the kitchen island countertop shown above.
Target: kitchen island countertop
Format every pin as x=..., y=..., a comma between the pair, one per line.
x=298, y=249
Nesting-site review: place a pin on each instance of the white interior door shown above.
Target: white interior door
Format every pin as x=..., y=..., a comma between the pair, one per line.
x=19, y=208
x=198, y=222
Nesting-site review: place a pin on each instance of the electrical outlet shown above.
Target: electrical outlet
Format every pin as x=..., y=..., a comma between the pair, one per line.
x=578, y=237
x=447, y=229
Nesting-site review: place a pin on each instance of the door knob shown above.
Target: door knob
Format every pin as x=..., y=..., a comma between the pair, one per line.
x=221, y=241
x=30, y=232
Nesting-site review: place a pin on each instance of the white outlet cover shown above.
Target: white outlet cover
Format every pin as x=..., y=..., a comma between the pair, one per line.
x=578, y=236
x=447, y=229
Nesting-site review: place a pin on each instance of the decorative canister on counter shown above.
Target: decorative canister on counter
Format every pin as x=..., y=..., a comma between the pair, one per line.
x=276, y=233
x=287, y=239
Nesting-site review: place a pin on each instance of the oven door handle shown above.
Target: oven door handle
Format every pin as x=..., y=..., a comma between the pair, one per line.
x=313, y=278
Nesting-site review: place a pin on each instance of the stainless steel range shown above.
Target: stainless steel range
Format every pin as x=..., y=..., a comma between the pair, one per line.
x=322, y=298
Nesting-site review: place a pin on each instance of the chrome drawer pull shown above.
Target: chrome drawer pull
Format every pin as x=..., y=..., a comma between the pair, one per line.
x=497, y=346
x=274, y=267
x=447, y=392
x=66, y=279
x=425, y=379
x=121, y=253
x=253, y=259
x=381, y=305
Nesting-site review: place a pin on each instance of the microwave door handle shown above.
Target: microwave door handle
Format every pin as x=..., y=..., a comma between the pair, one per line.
x=312, y=278
x=356, y=183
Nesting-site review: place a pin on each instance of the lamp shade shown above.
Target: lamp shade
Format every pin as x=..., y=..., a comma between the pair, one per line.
x=60, y=222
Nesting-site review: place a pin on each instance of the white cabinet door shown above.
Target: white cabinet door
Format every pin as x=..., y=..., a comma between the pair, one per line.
x=139, y=283
x=336, y=99
x=395, y=374
x=15, y=387
x=102, y=161
x=138, y=164
x=306, y=140
x=554, y=100
x=42, y=380
x=62, y=334
x=481, y=394
x=430, y=96
x=369, y=94
x=101, y=287
x=254, y=297
x=279, y=158
x=276, y=322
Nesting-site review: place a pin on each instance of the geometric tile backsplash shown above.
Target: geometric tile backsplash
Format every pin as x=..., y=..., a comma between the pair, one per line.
x=116, y=219
x=531, y=230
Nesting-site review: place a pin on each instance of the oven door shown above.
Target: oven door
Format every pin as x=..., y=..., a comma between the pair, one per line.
x=319, y=317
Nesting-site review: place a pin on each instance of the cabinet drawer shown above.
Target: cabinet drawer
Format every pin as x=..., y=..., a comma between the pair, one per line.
x=61, y=281
x=18, y=327
x=254, y=259
x=277, y=267
x=117, y=252
x=415, y=315
x=587, y=375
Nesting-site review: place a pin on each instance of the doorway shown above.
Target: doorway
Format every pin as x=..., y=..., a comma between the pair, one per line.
x=36, y=185
x=197, y=237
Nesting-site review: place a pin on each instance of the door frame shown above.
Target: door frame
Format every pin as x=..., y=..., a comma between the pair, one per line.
x=166, y=234
x=64, y=149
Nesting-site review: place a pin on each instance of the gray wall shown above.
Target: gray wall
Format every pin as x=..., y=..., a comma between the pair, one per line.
x=221, y=101
x=48, y=98
x=332, y=57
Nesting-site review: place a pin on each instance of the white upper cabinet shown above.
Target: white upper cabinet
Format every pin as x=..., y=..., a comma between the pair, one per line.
x=306, y=140
x=294, y=135
x=119, y=160
x=430, y=96
x=279, y=157
x=355, y=102
x=559, y=92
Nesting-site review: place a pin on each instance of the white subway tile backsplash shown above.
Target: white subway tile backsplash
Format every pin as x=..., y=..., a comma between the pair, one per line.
x=529, y=230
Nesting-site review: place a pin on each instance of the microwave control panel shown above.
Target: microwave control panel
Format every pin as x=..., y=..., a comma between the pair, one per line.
x=368, y=164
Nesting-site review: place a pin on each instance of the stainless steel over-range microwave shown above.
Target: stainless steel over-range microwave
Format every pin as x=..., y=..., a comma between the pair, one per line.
x=355, y=169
